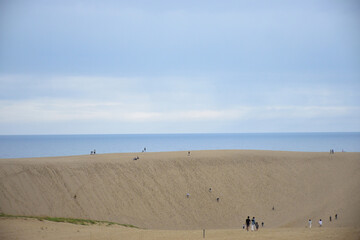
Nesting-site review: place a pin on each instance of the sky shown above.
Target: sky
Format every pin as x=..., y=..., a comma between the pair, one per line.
x=119, y=67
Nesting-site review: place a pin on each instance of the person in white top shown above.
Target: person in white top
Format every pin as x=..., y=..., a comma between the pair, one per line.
x=310, y=223
x=320, y=222
x=253, y=224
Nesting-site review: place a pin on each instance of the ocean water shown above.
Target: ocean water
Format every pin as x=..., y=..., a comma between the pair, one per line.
x=25, y=146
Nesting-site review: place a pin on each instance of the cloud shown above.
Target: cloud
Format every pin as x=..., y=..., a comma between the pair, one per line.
x=186, y=104
x=308, y=112
x=58, y=110
x=74, y=110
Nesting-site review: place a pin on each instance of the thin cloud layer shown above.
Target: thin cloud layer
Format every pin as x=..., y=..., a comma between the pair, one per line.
x=204, y=66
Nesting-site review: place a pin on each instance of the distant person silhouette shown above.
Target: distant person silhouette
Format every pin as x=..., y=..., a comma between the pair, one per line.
x=247, y=222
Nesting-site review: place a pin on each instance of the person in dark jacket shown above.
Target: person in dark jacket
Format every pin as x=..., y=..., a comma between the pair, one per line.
x=247, y=223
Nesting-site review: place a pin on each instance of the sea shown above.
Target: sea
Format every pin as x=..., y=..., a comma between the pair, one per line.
x=28, y=146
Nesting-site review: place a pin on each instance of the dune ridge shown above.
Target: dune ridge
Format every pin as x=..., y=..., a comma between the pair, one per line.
x=151, y=192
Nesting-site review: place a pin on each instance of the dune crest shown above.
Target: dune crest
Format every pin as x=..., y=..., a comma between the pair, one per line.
x=151, y=192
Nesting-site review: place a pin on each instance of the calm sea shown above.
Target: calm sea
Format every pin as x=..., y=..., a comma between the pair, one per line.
x=64, y=145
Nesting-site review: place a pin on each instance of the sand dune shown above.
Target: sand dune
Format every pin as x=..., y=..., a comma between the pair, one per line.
x=151, y=192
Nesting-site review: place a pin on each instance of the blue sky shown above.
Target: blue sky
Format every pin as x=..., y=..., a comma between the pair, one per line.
x=74, y=67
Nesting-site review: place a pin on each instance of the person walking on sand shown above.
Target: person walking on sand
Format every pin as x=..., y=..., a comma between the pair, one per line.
x=320, y=223
x=310, y=223
x=247, y=222
x=253, y=224
x=330, y=218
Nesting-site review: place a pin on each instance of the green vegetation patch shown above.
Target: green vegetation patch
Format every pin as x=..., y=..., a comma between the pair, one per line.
x=69, y=220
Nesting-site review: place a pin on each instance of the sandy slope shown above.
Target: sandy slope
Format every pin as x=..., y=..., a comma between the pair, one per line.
x=151, y=192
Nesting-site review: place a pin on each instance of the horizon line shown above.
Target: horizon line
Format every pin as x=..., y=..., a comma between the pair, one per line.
x=68, y=134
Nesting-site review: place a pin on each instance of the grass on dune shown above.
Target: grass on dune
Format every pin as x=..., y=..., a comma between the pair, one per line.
x=68, y=220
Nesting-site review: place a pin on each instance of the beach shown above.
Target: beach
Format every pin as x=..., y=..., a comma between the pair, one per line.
x=282, y=189
x=30, y=229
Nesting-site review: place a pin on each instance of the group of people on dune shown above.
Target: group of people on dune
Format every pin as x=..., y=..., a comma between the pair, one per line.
x=321, y=222
x=254, y=224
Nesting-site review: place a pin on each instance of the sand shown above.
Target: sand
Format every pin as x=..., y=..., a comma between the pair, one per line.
x=31, y=229
x=151, y=192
